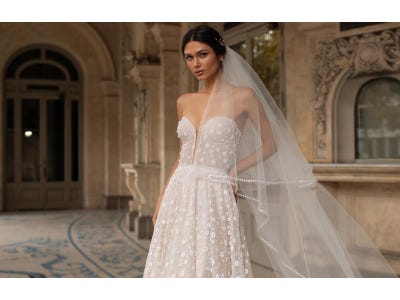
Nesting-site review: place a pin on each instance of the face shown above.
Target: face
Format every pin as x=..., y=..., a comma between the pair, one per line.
x=201, y=60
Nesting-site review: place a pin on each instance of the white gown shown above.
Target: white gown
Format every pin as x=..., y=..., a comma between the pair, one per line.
x=198, y=231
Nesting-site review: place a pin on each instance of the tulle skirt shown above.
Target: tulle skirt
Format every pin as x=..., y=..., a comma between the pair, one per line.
x=198, y=231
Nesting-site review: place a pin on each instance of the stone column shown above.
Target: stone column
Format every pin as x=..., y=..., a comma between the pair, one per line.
x=112, y=142
x=169, y=37
x=146, y=170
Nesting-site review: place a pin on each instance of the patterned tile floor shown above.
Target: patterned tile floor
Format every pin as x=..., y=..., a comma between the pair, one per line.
x=76, y=243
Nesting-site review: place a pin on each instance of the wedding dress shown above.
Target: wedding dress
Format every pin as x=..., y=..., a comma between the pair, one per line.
x=198, y=232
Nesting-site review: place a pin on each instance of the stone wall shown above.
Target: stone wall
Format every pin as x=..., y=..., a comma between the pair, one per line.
x=319, y=58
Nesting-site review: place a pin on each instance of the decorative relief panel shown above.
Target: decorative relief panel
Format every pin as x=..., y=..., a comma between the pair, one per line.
x=369, y=53
x=131, y=72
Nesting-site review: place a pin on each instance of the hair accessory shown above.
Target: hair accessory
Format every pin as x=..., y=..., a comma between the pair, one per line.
x=221, y=41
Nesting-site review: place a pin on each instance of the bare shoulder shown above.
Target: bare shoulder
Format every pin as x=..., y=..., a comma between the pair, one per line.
x=245, y=96
x=183, y=103
x=184, y=98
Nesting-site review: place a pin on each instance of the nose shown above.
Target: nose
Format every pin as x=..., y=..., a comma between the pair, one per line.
x=196, y=62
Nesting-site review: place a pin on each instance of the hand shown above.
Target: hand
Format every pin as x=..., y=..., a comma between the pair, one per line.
x=233, y=183
x=234, y=191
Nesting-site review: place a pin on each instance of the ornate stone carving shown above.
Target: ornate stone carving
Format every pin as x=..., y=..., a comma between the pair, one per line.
x=130, y=62
x=132, y=73
x=369, y=53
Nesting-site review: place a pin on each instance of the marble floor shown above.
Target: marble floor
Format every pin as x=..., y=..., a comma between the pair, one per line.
x=70, y=244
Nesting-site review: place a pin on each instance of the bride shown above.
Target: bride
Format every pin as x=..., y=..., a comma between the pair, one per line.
x=235, y=145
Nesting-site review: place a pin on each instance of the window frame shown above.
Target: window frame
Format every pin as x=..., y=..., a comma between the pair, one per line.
x=356, y=112
x=344, y=122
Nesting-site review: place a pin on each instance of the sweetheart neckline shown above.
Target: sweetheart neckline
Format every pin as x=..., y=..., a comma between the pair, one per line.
x=205, y=123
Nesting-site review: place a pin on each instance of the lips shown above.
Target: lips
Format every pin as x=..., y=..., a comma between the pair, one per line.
x=198, y=73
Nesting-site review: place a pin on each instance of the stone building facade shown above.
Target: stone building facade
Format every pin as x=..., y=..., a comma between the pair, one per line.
x=325, y=70
x=122, y=105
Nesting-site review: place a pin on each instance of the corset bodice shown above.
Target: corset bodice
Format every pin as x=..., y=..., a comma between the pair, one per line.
x=213, y=145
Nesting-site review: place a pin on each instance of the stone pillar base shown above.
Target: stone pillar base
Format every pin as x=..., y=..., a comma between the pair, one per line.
x=131, y=216
x=144, y=227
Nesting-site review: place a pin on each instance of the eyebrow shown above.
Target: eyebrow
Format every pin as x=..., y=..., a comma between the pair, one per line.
x=201, y=50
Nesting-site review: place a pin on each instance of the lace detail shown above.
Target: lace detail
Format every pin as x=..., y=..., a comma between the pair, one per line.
x=198, y=231
x=217, y=142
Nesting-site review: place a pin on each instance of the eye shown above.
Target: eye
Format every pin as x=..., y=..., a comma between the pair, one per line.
x=203, y=54
x=188, y=57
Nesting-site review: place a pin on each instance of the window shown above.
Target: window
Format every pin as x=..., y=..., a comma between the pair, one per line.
x=42, y=64
x=260, y=45
x=265, y=51
x=42, y=71
x=377, y=119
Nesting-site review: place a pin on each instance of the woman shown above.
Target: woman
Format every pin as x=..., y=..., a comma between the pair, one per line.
x=235, y=144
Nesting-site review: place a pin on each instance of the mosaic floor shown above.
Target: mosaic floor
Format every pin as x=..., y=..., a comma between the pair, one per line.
x=72, y=244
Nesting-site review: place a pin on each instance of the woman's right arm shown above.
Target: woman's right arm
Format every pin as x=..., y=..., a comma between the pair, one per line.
x=179, y=107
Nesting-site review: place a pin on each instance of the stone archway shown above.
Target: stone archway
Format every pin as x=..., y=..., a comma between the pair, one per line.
x=87, y=48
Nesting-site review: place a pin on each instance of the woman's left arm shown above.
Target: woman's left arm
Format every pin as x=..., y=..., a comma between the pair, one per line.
x=256, y=113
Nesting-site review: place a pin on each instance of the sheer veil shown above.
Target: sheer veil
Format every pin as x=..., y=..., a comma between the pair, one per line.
x=301, y=228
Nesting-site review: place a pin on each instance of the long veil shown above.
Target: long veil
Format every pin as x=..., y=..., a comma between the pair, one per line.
x=303, y=230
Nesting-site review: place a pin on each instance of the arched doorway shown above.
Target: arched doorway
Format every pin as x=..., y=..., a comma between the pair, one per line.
x=43, y=130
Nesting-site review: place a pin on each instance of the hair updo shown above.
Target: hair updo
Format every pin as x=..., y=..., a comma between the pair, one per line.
x=205, y=34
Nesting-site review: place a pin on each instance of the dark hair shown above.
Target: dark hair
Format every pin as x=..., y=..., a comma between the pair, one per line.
x=205, y=34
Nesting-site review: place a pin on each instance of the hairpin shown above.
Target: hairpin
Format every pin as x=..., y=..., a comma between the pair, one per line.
x=220, y=41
